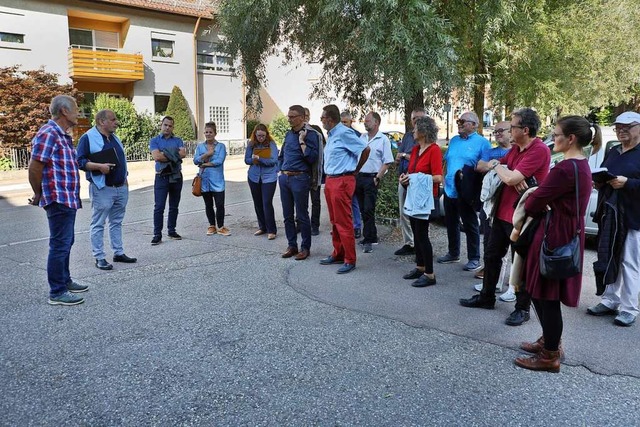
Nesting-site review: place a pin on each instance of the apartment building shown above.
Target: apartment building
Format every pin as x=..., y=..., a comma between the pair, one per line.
x=139, y=49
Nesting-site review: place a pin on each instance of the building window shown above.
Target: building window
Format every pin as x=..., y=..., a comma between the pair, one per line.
x=11, y=38
x=160, y=103
x=220, y=116
x=162, y=48
x=210, y=59
x=94, y=39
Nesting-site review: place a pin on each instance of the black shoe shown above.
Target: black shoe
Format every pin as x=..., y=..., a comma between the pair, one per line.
x=175, y=236
x=517, y=317
x=477, y=301
x=331, y=260
x=156, y=240
x=102, y=264
x=405, y=250
x=424, y=281
x=357, y=233
x=315, y=231
x=413, y=274
x=124, y=258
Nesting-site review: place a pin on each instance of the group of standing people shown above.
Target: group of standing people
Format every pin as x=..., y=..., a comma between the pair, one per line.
x=554, y=200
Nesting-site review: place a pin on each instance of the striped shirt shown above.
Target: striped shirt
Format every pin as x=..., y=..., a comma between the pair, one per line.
x=60, y=176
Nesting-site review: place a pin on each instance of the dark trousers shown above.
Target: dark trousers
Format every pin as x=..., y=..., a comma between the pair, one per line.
x=550, y=316
x=367, y=194
x=62, y=220
x=161, y=189
x=262, y=194
x=422, y=244
x=315, y=207
x=496, y=248
x=294, y=195
x=214, y=217
x=455, y=210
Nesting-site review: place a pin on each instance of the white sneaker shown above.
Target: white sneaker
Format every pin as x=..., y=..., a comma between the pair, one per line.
x=508, y=296
x=478, y=288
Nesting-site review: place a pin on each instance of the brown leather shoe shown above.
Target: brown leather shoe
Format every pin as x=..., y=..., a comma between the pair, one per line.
x=544, y=361
x=304, y=254
x=537, y=346
x=290, y=252
x=479, y=274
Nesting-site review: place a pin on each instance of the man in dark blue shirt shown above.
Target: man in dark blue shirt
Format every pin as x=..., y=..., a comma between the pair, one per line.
x=299, y=151
x=108, y=187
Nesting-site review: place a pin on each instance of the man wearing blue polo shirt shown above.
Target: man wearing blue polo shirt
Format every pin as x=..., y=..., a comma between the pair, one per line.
x=464, y=149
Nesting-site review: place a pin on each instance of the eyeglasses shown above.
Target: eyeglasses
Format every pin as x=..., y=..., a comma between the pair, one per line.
x=518, y=126
x=293, y=117
x=461, y=122
x=323, y=117
x=626, y=128
x=555, y=135
x=499, y=130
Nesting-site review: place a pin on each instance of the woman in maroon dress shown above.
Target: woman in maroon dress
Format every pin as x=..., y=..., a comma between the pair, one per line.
x=571, y=135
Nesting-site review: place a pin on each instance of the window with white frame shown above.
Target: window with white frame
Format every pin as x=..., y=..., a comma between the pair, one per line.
x=220, y=116
x=11, y=37
x=209, y=58
x=162, y=48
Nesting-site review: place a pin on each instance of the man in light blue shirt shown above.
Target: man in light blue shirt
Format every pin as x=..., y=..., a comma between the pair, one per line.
x=380, y=157
x=464, y=149
x=344, y=154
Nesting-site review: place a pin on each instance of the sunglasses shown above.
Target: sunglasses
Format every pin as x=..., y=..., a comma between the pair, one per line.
x=626, y=128
x=499, y=130
x=461, y=122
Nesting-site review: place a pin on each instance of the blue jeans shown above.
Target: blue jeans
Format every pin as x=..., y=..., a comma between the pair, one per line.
x=111, y=203
x=294, y=193
x=161, y=189
x=355, y=208
x=456, y=209
x=262, y=195
x=62, y=220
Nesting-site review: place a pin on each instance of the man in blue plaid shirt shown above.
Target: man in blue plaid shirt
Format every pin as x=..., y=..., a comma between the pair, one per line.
x=55, y=180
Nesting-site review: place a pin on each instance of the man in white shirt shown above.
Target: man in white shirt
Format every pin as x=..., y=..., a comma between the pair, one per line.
x=368, y=179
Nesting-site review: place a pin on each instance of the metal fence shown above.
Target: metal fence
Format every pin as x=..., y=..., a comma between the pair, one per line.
x=137, y=152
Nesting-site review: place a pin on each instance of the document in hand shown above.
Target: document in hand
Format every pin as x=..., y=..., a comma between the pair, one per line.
x=105, y=156
x=602, y=175
x=263, y=153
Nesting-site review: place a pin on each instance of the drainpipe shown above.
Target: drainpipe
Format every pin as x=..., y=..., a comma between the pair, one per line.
x=195, y=81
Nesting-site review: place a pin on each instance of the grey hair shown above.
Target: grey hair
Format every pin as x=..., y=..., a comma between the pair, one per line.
x=346, y=115
x=59, y=102
x=102, y=115
x=472, y=115
x=427, y=127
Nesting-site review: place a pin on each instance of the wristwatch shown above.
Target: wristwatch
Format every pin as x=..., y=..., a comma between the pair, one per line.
x=404, y=155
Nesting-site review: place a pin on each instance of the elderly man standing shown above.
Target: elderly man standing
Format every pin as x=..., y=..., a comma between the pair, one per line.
x=380, y=157
x=341, y=164
x=108, y=187
x=347, y=119
x=402, y=159
x=464, y=149
x=55, y=180
x=298, y=154
x=528, y=157
x=168, y=151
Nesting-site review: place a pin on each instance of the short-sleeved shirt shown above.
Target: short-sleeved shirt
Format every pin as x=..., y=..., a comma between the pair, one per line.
x=161, y=143
x=60, y=175
x=118, y=175
x=494, y=153
x=429, y=162
x=405, y=146
x=379, y=154
x=532, y=161
x=292, y=158
x=342, y=151
x=461, y=152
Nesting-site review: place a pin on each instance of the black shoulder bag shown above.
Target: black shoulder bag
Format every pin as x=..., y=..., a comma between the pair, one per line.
x=562, y=262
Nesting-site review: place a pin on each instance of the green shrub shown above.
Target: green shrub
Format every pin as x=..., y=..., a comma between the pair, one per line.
x=278, y=128
x=605, y=116
x=178, y=108
x=387, y=205
x=5, y=164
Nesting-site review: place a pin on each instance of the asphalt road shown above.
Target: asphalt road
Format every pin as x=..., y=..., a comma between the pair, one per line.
x=215, y=330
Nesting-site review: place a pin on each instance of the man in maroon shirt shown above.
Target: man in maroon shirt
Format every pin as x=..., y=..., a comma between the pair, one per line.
x=528, y=157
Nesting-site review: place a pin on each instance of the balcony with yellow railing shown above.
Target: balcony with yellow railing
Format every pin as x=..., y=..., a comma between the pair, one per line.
x=105, y=66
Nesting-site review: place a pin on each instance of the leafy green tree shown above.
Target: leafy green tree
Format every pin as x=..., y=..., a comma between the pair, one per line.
x=379, y=54
x=128, y=125
x=278, y=128
x=178, y=108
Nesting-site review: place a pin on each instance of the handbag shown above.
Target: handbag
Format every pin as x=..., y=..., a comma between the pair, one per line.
x=196, y=186
x=562, y=262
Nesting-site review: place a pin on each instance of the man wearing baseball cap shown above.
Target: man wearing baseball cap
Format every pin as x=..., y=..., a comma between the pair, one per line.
x=620, y=297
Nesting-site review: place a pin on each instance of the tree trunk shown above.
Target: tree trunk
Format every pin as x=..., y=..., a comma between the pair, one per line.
x=480, y=83
x=410, y=104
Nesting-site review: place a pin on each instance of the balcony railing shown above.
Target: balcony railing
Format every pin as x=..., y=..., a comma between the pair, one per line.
x=98, y=65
